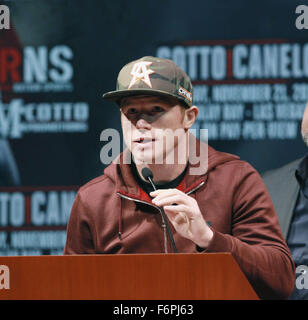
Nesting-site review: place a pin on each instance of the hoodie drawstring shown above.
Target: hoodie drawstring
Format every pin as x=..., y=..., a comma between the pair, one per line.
x=120, y=221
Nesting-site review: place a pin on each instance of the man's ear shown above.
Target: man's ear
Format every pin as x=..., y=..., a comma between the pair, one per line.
x=190, y=116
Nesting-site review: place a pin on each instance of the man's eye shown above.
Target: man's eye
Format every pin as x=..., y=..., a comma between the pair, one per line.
x=131, y=111
x=157, y=109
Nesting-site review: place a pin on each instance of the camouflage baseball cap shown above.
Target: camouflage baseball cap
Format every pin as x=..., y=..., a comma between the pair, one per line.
x=152, y=76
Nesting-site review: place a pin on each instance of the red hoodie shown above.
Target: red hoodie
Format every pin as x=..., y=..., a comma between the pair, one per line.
x=112, y=214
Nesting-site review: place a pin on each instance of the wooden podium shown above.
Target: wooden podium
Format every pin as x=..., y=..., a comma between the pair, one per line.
x=212, y=276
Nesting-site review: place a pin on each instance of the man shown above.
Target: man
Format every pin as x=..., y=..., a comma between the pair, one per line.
x=288, y=187
x=219, y=205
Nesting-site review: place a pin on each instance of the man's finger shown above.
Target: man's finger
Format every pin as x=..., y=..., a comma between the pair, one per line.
x=169, y=200
x=165, y=192
x=177, y=209
x=178, y=219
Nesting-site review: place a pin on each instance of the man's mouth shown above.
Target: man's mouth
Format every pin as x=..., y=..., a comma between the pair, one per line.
x=143, y=140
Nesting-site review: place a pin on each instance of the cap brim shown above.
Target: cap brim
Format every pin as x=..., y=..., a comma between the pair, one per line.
x=116, y=96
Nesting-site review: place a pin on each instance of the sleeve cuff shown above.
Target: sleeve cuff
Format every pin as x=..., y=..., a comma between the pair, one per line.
x=219, y=243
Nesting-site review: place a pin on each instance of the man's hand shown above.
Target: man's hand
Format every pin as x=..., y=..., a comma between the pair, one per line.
x=184, y=214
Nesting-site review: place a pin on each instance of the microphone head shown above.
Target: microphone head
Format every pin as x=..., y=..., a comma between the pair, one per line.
x=147, y=173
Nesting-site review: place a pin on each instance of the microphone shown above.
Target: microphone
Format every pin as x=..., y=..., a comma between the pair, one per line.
x=148, y=175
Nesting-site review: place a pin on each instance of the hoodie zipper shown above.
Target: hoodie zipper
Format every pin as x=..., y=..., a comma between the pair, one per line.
x=195, y=188
x=158, y=208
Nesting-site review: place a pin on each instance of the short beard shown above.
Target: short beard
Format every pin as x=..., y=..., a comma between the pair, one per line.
x=305, y=137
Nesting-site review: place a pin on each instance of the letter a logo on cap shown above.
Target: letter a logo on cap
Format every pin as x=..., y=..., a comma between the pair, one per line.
x=141, y=72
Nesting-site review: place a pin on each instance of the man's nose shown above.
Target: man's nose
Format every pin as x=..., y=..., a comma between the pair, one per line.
x=144, y=122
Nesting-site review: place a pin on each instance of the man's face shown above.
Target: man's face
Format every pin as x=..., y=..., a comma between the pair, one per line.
x=305, y=126
x=153, y=128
